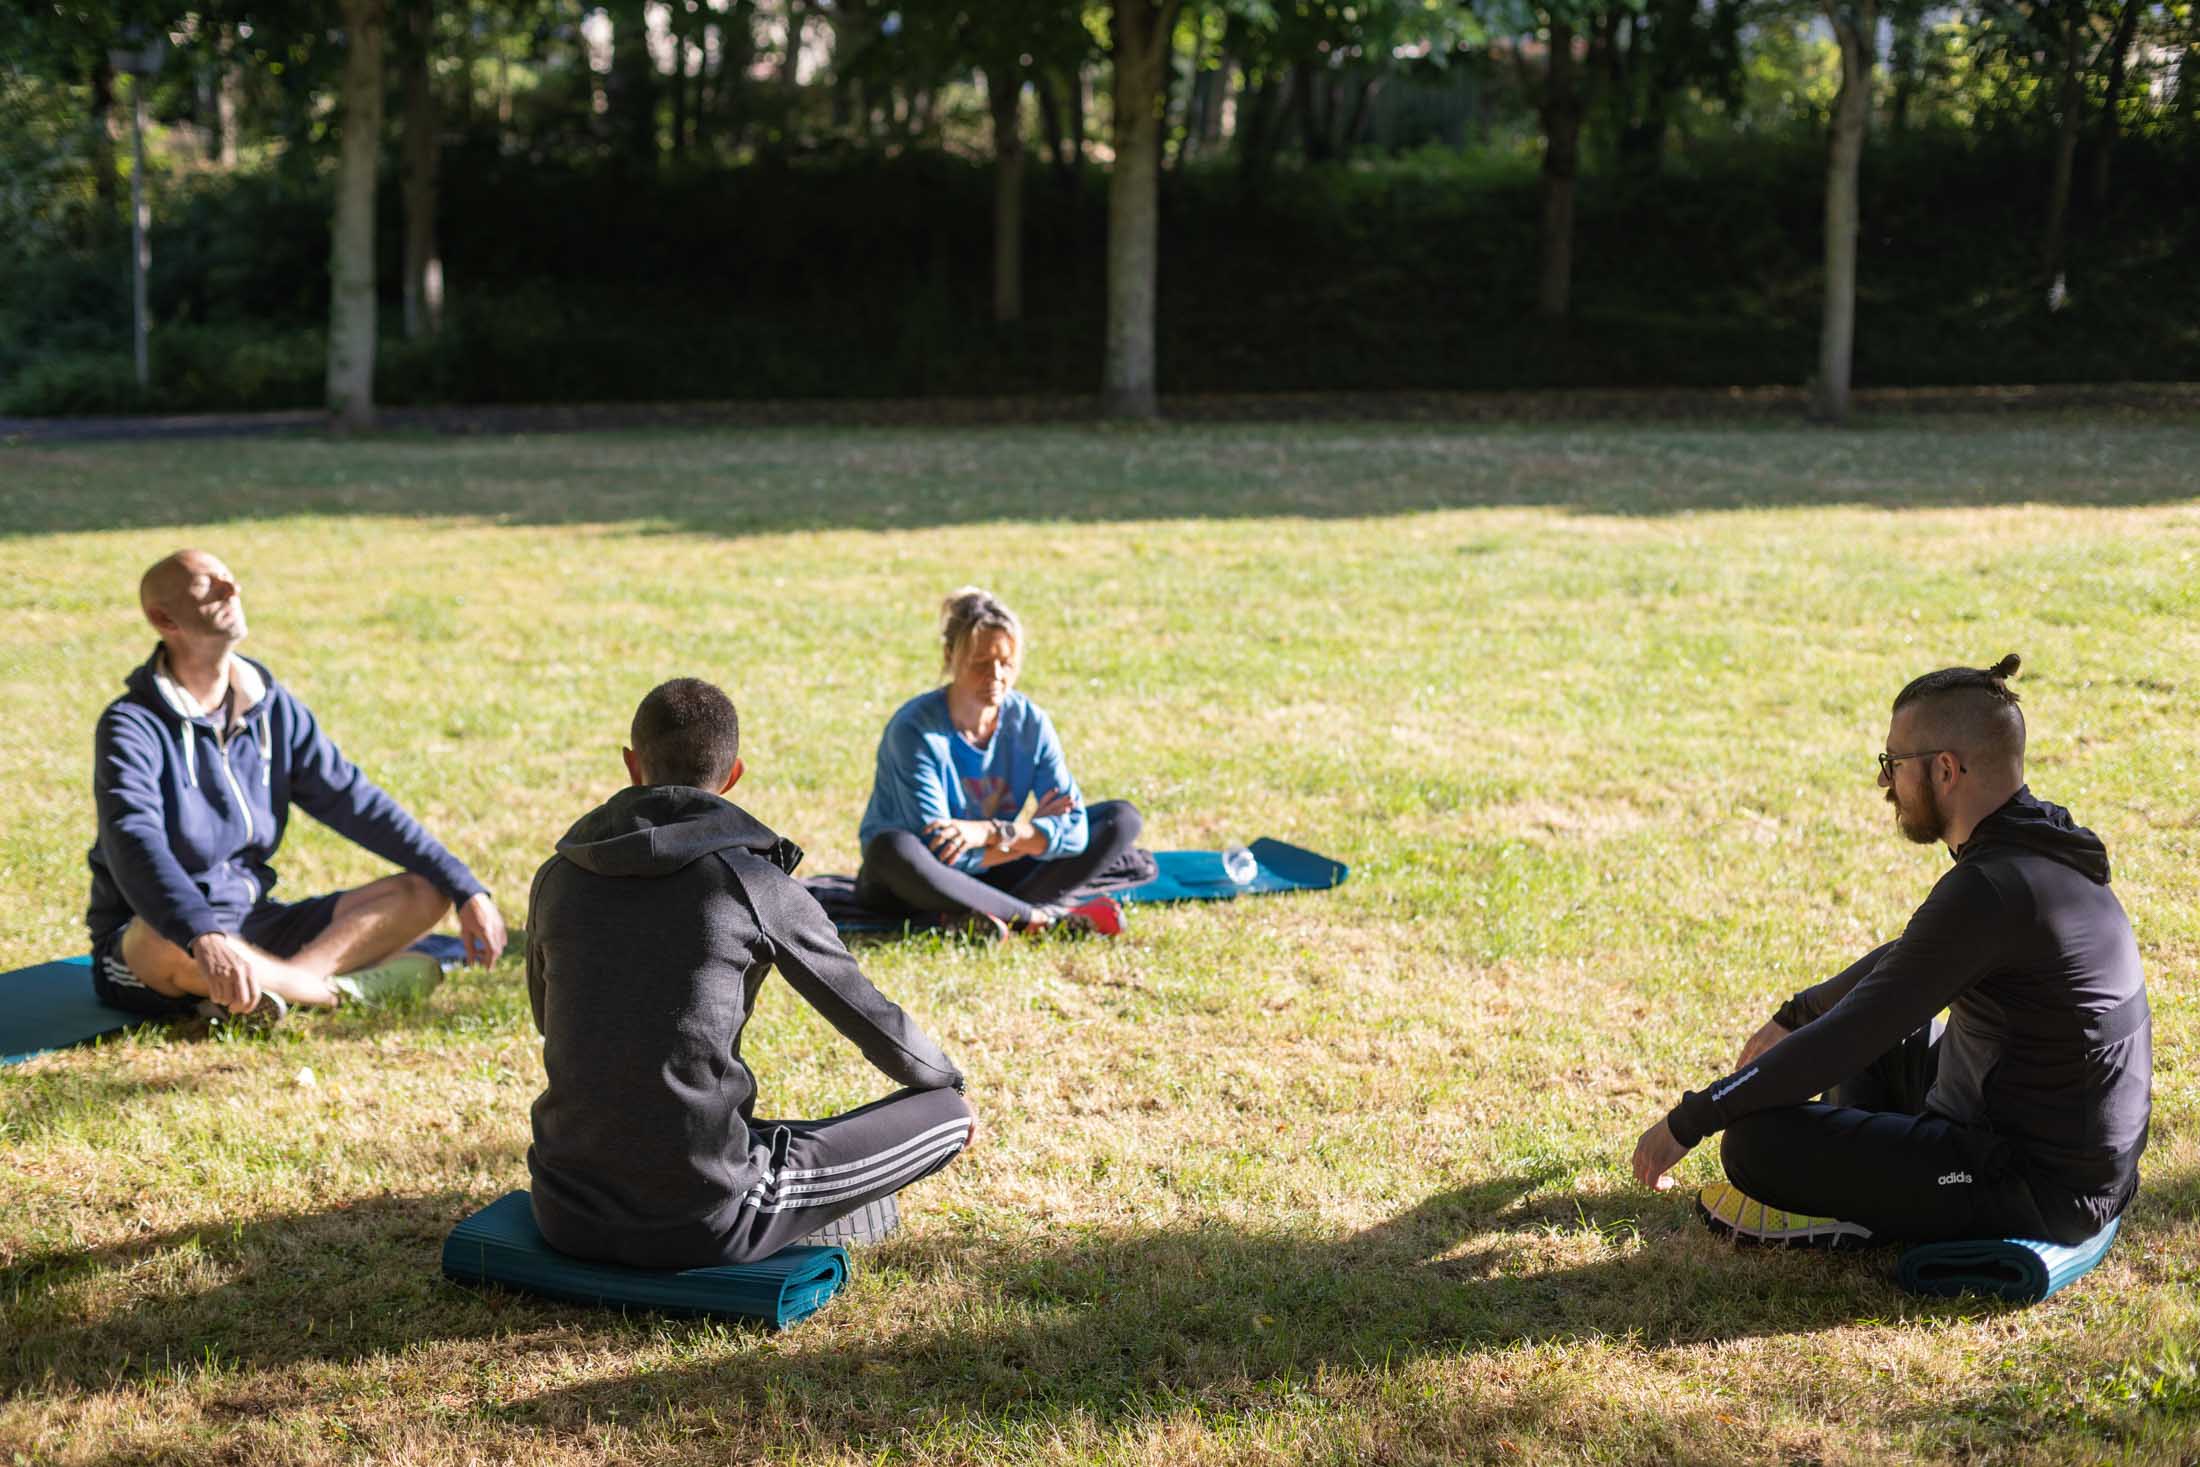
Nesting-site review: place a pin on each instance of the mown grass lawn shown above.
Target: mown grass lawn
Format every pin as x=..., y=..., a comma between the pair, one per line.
x=1590, y=712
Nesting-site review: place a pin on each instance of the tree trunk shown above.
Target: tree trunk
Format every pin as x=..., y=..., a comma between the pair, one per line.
x=423, y=263
x=1210, y=122
x=790, y=60
x=1004, y=99
x=2071, y=103
x=1078, y=110
x=1051, y=129
x=225, y=103
x=2104, y=147
x=631, y=89
x=1143, y=30
x=1907, y=25
x=679, y=87
x=351, y=253
x=103, y=143
x=1856, y=28
x=1356, y=124
x=1561, y=115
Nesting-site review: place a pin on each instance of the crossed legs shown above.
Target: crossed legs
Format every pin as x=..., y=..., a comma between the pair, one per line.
x=369, y=923
x=900, y=873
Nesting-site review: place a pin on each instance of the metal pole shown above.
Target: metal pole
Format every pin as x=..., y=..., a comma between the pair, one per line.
x=141, y=253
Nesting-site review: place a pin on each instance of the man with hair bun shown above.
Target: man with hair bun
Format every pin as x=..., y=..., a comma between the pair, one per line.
x=649, y=936
x=2027, y=1114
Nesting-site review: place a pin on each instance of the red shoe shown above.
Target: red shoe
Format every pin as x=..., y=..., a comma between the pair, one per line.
x=1100, y=916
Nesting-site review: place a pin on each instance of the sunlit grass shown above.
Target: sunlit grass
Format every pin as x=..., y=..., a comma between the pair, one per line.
x=1590, y=713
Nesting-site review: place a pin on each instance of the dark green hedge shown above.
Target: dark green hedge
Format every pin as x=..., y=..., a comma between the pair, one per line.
x=863, y=276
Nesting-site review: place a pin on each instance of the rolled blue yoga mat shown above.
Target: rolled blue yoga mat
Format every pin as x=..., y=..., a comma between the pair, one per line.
x=2019, y=1270
x=501, y=1245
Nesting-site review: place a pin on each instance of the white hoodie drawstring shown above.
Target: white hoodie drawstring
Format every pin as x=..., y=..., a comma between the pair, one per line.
x=190, y=755
x=266, y=758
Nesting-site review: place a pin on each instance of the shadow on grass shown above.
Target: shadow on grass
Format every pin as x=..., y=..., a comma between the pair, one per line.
x=1093, y=1326
x=1098, y=1328
x=790, y=481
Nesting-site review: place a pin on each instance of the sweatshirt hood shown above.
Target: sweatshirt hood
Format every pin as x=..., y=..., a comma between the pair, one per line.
x=150, y=683
x=2034, y=825
x=655, y=830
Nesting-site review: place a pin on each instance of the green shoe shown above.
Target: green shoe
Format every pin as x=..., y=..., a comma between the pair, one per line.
x=408, y=975
x=1731, y=1212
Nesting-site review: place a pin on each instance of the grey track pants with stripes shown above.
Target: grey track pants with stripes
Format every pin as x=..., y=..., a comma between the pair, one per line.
x=815, y=1172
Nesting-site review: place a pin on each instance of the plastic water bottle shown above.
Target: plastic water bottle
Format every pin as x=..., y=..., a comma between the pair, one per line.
x=1240, y=865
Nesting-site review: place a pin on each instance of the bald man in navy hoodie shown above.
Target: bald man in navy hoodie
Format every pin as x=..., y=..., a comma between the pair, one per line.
x=195, y=771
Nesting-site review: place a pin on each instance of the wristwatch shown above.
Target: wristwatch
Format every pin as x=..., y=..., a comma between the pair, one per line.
x=1004, y=835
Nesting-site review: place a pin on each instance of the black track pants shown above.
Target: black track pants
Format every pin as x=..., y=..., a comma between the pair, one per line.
x=1873, y=1158
x=816, y=1172
x=900, y=874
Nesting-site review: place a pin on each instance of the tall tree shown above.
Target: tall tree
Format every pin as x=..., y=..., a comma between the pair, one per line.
x=1004, y=93
x=1142, y=38
x=1560, y=112
x=423, y=260
x=2119, y=59
x=1855, y=27
x=351, y=323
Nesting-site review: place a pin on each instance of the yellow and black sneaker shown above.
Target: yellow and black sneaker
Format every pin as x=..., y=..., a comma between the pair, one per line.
x=1729, y=1211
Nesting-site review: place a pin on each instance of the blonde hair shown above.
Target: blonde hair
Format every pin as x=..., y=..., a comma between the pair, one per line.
x=968, y=612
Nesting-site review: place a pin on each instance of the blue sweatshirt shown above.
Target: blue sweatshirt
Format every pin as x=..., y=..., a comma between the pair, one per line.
x=927, y=771
x=187, y=822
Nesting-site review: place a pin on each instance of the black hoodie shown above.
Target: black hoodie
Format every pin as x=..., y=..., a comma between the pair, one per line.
x=648, y=937
x=2049, y=1043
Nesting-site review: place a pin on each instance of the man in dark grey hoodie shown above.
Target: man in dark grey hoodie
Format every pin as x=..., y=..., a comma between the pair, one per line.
x=649, y=936
x=2025, y=1116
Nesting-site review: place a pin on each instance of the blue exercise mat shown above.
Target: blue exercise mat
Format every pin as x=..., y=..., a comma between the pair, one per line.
x=501, y=1245
x=1203, y=876
x=50, y=1006
x=1143, y=876
x=2019, y=1270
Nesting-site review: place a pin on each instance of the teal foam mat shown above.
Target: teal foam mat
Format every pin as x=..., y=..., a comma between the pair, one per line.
x=2019, y=1270
x=50, y=1006
x=1202, y=876
x=501, y=1245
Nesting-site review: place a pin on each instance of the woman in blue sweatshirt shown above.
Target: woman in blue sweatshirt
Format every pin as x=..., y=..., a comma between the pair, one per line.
x=974, y=815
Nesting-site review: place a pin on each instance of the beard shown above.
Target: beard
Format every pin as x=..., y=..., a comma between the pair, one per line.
x=1921, y=821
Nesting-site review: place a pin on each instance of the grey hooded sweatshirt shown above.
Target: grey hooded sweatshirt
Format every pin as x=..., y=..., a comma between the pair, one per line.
x=649, y=935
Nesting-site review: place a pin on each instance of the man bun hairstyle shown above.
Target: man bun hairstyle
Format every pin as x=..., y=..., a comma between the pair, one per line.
x=1972, y=710
x=968, y=612
x=686, y=732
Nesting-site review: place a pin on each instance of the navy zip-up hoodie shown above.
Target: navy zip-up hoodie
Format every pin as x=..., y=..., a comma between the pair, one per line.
x=649, y=936
x=2049, y=1042
x=191, y=813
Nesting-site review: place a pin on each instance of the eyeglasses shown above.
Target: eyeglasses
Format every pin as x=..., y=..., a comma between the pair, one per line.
x=1888, y=761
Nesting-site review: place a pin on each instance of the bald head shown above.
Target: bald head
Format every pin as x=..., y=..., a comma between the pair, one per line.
x=191, y=597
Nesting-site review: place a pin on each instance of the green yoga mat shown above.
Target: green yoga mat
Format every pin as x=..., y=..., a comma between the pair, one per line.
x=2020, y=1270
x=501, y=1245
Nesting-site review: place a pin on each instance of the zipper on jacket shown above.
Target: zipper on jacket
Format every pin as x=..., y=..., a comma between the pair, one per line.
x=244, y=806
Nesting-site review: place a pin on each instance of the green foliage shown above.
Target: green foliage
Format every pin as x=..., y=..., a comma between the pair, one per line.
x=862, y=276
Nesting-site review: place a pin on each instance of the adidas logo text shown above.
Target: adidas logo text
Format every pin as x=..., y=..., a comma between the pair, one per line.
x=1952, y=1178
